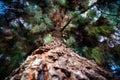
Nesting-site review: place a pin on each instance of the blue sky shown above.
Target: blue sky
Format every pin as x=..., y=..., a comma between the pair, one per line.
x=2, y=7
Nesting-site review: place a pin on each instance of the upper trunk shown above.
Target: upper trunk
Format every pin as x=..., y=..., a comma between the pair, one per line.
x=54, y=61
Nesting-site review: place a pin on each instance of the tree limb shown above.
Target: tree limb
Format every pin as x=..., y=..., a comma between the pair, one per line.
x=66, y=25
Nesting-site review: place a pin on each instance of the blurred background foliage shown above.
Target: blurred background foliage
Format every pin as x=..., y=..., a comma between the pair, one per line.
x=89, y=27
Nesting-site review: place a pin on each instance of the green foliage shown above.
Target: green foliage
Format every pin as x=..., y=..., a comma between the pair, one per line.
x=79, y=18
x=76, y=14
x=96, y=54
x=85, y=49
x=63, y=2
x=37, y=17
x=77, y=49
x=39, y=28
x=39, y=20
x=42, y=22
x=47, y=38
x=12, y=58
x=93, y=54
x=69, y=27
x=86, y=52
x=108, y=57
x=31, y=9
x=70, y=41
x=97, y=30
x=91, y=14
x=110, y=9
x=47, y=21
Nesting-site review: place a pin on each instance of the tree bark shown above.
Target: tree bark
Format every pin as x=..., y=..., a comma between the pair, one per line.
x=54, y=61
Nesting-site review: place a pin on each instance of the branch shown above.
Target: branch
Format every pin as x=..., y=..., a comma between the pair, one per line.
x=66, y=25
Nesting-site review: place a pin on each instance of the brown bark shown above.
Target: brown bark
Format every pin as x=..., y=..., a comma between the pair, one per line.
x=55, y=61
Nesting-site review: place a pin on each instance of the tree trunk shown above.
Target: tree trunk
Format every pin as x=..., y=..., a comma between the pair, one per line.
x=54, y=61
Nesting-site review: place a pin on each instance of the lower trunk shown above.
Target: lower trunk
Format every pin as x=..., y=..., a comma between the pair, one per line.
x=54, y=61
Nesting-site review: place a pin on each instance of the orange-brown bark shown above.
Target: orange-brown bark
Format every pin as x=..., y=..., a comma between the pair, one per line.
x=55, y=61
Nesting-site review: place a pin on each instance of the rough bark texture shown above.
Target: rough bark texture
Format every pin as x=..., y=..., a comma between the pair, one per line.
x=55, y=61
